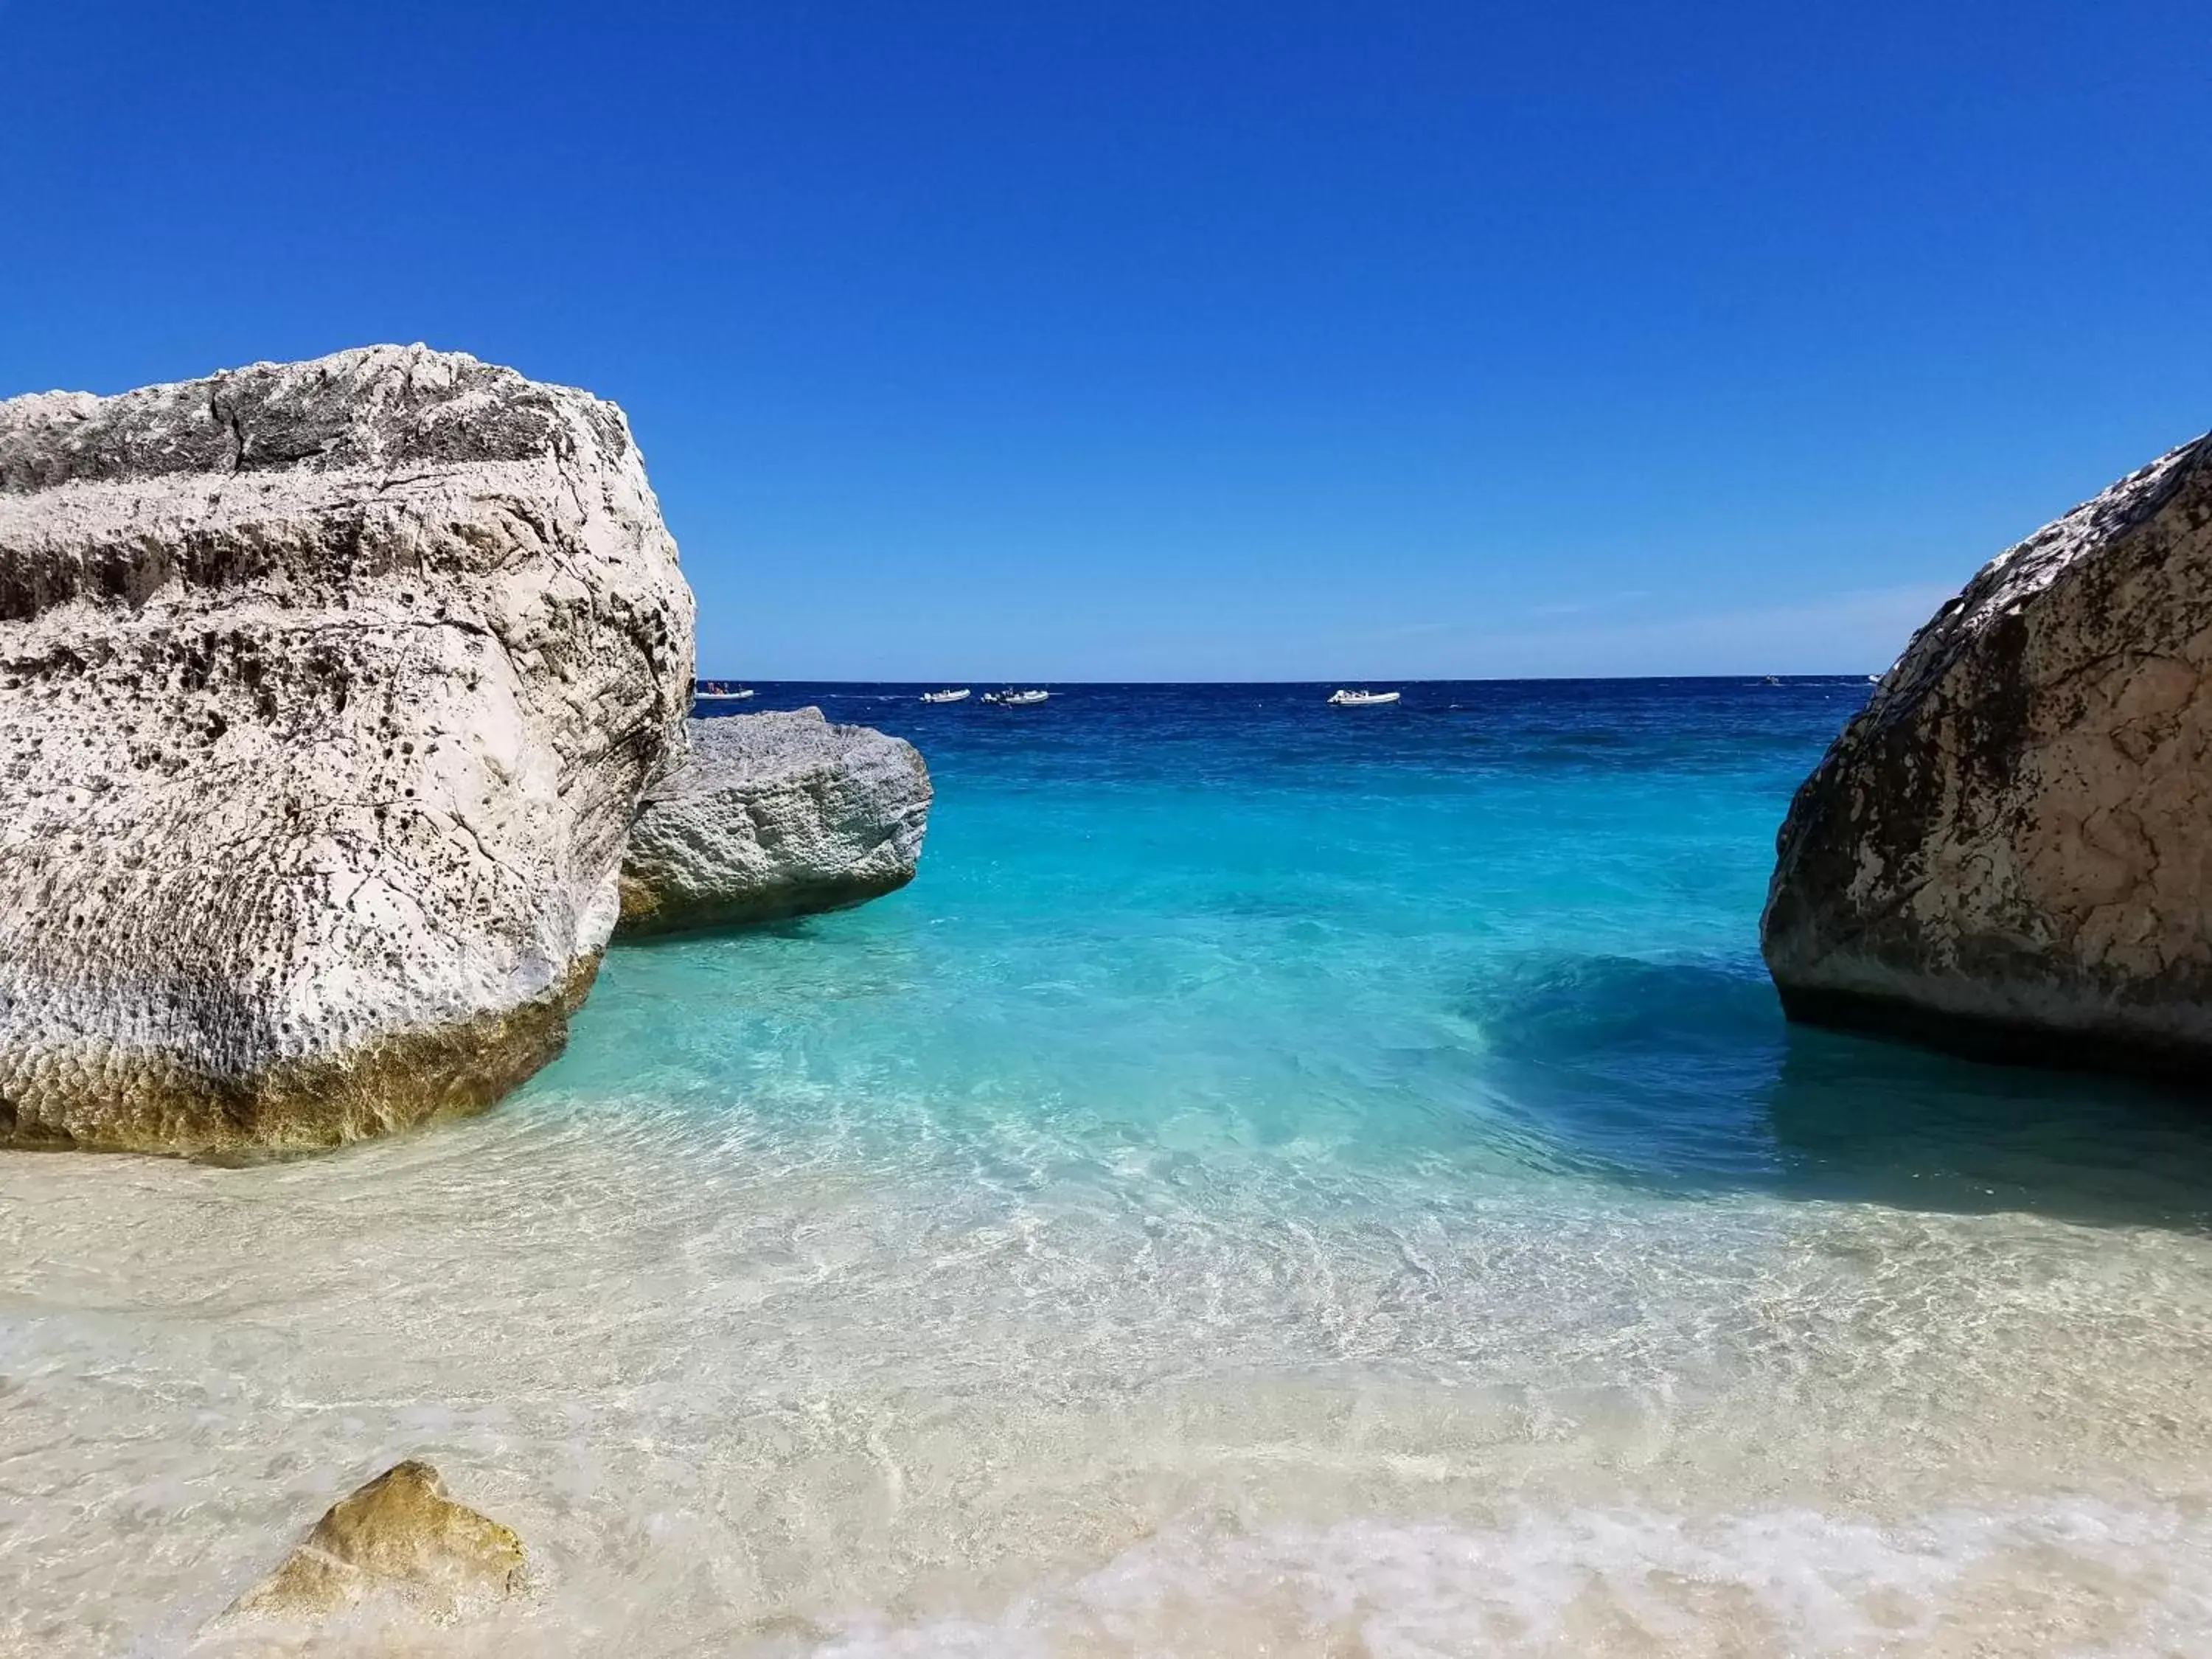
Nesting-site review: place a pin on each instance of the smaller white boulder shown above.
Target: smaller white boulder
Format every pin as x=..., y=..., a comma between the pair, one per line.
x=773, y=816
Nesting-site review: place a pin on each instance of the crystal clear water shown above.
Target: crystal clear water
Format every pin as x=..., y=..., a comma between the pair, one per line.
x=1282, y=1180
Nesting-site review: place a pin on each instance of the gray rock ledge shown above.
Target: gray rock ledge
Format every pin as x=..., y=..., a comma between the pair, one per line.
x=773, y=816
x=2010, y=851
x=327, y=692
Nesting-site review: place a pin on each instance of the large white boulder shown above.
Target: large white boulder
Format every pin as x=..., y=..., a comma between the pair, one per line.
x=2010, y=849
x=327, y=691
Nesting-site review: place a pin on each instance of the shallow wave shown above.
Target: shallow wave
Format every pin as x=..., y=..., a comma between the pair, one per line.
x=734, y=1391
x=2082, y=1577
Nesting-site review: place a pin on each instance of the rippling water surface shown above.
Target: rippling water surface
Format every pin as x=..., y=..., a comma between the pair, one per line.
x=1283, y=1181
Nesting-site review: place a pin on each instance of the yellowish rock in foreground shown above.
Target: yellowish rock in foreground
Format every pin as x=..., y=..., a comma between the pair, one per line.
x=399, y=1538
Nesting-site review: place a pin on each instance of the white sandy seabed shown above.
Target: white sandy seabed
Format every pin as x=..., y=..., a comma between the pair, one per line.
x=745, y=1398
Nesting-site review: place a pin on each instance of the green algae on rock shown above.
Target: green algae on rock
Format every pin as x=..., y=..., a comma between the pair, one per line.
x=312, y=1104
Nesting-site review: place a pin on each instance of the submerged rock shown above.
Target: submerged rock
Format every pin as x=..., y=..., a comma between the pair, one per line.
x=773, y=816
x=327, y=691
x=2010, y=849
x=399, y=1538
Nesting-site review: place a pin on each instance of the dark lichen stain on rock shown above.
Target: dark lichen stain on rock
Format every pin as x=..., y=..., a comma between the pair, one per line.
x=2010, y=850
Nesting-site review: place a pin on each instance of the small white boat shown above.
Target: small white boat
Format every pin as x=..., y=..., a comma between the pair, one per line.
x=960, y=696
x=1012, y=699
x=719, y=691
x=1360, y=699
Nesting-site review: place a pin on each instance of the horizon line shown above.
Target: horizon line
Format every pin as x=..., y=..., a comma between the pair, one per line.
x=1751, y=675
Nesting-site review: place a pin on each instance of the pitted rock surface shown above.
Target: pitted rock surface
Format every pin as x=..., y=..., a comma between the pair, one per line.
x=774, y=816
x=327, y=692
x=2010, y=850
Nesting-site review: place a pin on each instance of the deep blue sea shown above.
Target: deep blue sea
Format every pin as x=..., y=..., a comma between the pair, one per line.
x=1282, y=1180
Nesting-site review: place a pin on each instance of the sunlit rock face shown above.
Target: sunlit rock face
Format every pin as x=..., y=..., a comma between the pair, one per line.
x=773, y=816
x=2010, y=849
x=327, y=691
x=400, y=1540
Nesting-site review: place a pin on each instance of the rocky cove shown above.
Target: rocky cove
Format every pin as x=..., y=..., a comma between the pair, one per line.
x=849, y=1280
x=332, y=691
x=346, y=722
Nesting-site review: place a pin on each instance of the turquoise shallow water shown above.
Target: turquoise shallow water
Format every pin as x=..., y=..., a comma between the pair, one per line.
x=1282, y=1180
x=1494, y=931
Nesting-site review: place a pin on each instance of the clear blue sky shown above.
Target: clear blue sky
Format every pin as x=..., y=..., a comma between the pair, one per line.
x=1065, y=339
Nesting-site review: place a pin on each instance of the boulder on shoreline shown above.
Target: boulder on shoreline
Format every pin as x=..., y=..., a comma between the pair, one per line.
x=2010, y=851
x=773, y=816
x=399, y=1538
x=327, y=693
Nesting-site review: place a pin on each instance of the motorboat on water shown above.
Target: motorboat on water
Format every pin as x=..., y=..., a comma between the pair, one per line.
x=1771, y=680
x=1010, y=698
x=719, y=691
x=1341, y=699
x=960, y=696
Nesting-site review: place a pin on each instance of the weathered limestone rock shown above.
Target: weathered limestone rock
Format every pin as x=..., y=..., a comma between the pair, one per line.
x=2010, y=849
x=398, y=1538
x=327, y=692
x=774, y=815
